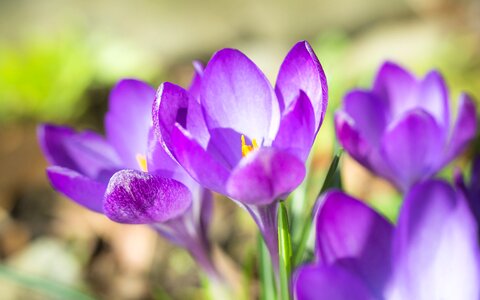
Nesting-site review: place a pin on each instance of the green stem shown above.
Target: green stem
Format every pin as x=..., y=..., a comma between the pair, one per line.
x=285, y=252
x=267, y=284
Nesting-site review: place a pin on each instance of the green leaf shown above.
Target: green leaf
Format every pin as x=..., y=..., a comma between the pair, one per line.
x=267, y=283
x=333, y=174
x=285, y=251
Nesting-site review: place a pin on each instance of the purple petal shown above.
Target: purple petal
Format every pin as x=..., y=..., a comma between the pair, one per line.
x=347, y=228
x=359, y=148
x=265, y=175
x=86, y=153
x=205, y=209
x=196, y=122
x=301, y=70
x=368, y=113
x=174, y=105
x=433, y=97
x=136, y=197
x=265, y=216
x=170, y=107
x=413, y=148
x=297, y=128
x=464, y=130
x=95, y=158
x=350, y=138
x=51, y=139
x=200, y=164
x=237, y=96
x=436, y=246
x=196, y=84
x=328, y=283
x=129, y=118
x=81, y=189
x=397, y=87
x=162, y=164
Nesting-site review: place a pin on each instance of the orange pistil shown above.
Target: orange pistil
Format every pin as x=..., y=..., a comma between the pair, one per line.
x=247, y=148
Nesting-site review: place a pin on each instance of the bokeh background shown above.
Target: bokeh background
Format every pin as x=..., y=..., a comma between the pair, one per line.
x=59, y=59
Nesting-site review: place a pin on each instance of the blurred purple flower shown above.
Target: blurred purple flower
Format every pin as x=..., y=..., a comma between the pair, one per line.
x=128, y=176
x=432, y=253
x=472, y=189
x=236, y=135
x=401, y=128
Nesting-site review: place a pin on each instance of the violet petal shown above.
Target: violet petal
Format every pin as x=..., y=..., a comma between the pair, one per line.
x=265, y=175
x=81, y=189
x=328, y=283
x=397, y=87
x=51, y=139
x=433, y=97
x=301, y=70
x=347, y=228
x=464, y=130
x=129, y=118
x=86, y=152
x=236, y=95
x=136, y=197
x=199, y=163
x=350, y=139
x=196, y=84
x=369, y=114
x=297, y=128
x=170, y=107
x=436, y=251
x=412, y=148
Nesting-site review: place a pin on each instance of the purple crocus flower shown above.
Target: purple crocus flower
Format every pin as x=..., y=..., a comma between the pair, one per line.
x=432, y=253
x=128, y=176
x=236, y=135
x=401, y=128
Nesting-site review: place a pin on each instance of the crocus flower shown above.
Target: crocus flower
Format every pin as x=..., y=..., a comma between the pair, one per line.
x=432, y=253
x=472, y=188
x=238, y=136
x=401, y=129
x=128, y=176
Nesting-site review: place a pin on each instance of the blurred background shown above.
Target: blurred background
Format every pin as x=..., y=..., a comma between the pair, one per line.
x=59, y=59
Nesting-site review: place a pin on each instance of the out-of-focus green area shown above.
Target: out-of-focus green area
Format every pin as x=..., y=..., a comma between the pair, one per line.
x=59, y=59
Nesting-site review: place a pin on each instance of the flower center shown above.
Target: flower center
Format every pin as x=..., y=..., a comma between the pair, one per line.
x=247, y=148
x=142, y=162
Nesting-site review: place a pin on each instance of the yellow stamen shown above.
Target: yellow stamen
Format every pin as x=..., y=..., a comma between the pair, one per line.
x=142, y=162
x=247, y=148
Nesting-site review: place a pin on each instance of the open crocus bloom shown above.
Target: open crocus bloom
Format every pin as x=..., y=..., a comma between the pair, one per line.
x=401, y=128
x=128, y=176
x=236, y=135
x=432, y=253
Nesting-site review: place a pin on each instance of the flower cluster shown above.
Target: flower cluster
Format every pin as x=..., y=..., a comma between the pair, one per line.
x=401, y=131
x=232, y=133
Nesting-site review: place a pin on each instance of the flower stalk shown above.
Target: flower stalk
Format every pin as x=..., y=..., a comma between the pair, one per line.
x=285, y=252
